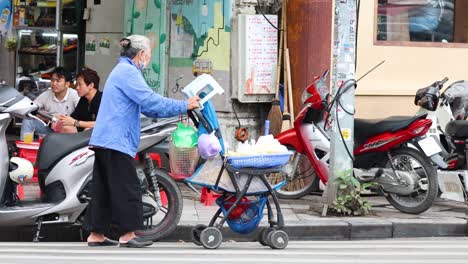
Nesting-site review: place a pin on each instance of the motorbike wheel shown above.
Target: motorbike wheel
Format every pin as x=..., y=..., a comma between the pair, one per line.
x=407, y=159
x=304, y=181
x=165, y=221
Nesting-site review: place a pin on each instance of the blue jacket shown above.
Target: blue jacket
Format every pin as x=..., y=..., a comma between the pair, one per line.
x=126, y=95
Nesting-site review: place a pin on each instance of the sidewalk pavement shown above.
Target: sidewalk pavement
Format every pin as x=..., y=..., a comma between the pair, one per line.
x=303, y=222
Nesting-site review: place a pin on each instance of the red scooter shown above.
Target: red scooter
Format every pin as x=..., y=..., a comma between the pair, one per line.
x=382, y=153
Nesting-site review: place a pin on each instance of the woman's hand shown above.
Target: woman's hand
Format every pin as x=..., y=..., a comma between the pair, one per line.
x=66, y=120
x=193, y=102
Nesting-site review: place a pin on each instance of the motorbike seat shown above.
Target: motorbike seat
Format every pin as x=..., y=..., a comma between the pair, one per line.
x=457, y=129
x=58, y=145
x=366, y=128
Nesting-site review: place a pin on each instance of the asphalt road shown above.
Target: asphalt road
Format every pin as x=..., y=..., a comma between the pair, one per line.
x=427, y=251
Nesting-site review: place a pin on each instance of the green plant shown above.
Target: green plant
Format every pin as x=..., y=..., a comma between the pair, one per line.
x=349, y=200
x=10, y=43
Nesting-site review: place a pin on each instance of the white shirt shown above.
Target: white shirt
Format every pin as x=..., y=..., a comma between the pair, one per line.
x=49, y=102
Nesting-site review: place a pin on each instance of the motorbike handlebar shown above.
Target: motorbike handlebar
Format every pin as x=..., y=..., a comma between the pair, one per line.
x=47, y=116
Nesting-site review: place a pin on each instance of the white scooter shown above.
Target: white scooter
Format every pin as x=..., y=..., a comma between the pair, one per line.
x=65, y=166
x=443, y=108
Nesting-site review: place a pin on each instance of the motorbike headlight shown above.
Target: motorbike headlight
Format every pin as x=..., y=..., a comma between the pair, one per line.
x=304, y=96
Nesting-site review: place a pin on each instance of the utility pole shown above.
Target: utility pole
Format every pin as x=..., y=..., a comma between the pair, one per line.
x=58, y=30
x=344, y=65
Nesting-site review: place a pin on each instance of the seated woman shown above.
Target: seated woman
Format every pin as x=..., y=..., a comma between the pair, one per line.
x=84, y=115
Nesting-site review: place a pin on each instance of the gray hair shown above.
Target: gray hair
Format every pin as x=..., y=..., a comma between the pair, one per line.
x=137, y=43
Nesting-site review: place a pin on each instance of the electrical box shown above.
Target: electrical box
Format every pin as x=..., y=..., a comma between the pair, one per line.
x=254, y=2
x=255, y=58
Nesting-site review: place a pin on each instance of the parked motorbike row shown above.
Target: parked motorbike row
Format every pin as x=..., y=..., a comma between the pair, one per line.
x=448, y=111
x=409, y=158
x=383, y=152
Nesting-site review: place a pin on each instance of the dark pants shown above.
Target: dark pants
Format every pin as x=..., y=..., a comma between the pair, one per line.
x=115, y=193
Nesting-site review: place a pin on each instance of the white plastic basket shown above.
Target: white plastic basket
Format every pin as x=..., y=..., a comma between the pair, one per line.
x=260, y=161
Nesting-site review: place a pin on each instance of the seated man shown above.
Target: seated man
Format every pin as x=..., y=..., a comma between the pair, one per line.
x=58, y=100
x=84, y=116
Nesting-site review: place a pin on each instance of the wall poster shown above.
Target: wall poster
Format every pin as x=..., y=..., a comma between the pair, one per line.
x=148, y=18
x=200, y=42
x=261, y=55
x=5, y=17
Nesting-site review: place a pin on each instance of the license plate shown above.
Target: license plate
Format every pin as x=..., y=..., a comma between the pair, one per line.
x=430, y=146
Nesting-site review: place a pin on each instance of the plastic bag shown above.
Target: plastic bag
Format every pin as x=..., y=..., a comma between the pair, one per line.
x=185, y=136
x=269, y=145
x=208, y=146
x=240, y=208
x=250, y=217
x=264, y=145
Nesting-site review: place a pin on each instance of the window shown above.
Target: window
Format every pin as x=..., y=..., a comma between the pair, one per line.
x=432, y=21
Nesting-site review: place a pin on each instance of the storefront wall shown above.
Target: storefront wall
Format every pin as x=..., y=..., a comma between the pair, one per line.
x=104, y=30
x=200, y=42
x=148, y=17
x=7, y=62
x=390, y=89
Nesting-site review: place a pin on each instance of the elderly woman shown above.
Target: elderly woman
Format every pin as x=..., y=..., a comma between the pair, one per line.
x=116, y=193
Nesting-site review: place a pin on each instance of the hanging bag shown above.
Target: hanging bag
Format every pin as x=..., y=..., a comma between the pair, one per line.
x=183, y=151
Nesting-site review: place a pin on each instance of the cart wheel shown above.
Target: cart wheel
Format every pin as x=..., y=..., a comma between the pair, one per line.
x=196, y=234
x=211, y=238
x=277, y=239
x=262, y=235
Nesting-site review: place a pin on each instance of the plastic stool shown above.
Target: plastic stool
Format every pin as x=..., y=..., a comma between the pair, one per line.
x=154, y=156
x=20, y=190
x=28, y=151
x=208, y=196
x=204, y=83
x=35, y=177
x=164, y=199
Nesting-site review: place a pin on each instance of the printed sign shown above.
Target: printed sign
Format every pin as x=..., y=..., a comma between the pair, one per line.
x=261, y=54
x=346, y=133
x=5, y=16
x=104, y=46
x=90, y=47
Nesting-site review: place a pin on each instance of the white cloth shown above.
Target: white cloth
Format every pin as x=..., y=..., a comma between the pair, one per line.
x=49, y=102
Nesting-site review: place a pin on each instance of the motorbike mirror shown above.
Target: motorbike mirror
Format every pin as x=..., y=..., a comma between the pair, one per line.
x=441, y=83
x=325, y=74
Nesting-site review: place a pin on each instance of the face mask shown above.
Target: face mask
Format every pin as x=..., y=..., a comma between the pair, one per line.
x=141, y=63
